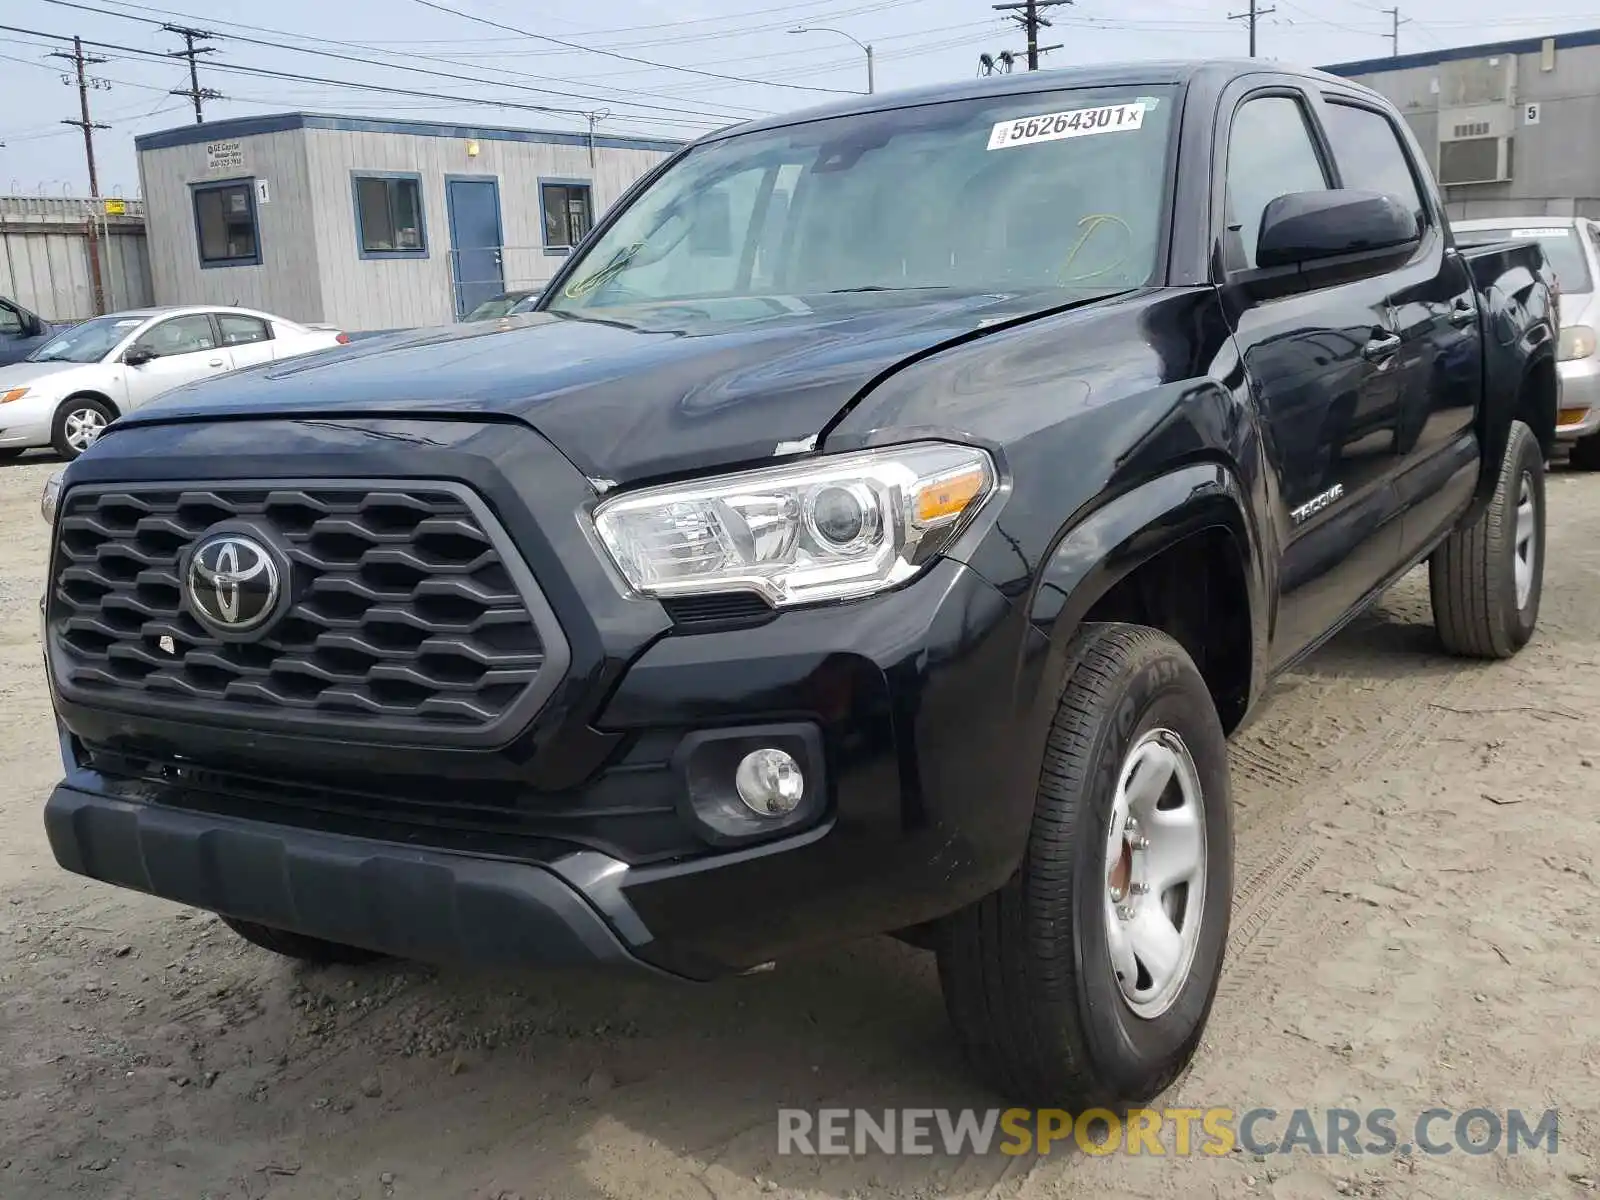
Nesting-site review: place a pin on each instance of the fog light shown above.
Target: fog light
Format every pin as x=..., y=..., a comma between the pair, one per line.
x=51, y=496
x=770, y=782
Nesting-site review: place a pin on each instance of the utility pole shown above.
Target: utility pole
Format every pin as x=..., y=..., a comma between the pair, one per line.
x=192, y=52
x=82, y=62
x=1395, y=21
x=1026, y=13
x=1254, y=15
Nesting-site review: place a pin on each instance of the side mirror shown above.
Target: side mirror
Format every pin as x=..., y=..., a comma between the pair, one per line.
x=137, y=356
x=1307, y=227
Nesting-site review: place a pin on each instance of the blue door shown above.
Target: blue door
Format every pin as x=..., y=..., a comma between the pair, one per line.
x=474, y=210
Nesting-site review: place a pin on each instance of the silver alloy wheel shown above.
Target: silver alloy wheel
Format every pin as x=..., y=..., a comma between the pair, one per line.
x=82, y=427
x=1525, y=556
x=1155, y=872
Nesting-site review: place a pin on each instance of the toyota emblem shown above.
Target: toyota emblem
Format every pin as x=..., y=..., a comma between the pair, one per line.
x=233, y=583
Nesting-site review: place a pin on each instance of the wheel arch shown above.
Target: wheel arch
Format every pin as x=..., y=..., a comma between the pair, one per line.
x=1538, y=397
x=1179, y=552
x=91, y=394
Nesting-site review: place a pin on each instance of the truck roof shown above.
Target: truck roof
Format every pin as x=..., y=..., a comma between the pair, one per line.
x=1220, y=72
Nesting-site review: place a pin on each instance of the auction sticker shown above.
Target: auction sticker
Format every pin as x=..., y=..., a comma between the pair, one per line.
x=1079, y=122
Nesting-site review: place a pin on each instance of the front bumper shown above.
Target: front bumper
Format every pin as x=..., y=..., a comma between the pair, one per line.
x=1579, y=415
x=400, y=900
x=25, y=423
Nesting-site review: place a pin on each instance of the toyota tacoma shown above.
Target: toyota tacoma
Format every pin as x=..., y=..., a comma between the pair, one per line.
x=879, y=526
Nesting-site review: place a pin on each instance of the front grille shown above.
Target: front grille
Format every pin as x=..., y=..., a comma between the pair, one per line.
x=409, y=611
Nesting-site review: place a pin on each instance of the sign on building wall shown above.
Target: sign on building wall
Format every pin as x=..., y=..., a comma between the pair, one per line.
x=224, y=156
x=263, y=192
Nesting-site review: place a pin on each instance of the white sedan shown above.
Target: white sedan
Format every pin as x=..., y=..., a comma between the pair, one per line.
x=67, y=391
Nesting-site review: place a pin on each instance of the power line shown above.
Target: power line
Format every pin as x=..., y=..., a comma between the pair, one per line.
x=726, y=113
x=192, y=52
x=625, y=57
x=265, y=73
x=1030, y=19
x=1252, y=16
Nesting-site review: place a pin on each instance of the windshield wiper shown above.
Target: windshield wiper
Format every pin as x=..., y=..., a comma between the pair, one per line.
x=878, y=287
x=619, y=263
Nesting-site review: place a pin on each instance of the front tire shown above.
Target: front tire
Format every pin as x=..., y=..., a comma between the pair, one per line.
x=78, y=425
x=1486, y=579
x=1070, y=985
x=299, y=946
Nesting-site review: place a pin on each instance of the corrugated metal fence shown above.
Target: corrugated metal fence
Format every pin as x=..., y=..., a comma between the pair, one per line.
x=53, y=250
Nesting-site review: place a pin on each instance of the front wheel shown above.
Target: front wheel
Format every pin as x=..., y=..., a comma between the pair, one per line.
x=78, y=425
x=1486, y=579
x=1088, y=978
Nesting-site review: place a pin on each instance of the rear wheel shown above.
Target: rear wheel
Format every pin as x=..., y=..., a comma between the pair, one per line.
x=78, y=425
x=299, y=946
x=1486, y=579
x=1089, y=977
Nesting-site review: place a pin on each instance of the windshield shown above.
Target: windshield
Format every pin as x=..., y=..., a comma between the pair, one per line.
x=1050, y=190
x=1560, y=247
x=87, y=342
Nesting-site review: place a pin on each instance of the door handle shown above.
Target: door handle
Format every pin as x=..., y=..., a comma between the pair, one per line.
x=216, y=362
x=1381, y=345
x=1463, y=312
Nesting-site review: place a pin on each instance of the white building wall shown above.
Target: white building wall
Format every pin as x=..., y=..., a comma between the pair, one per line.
x=387, y=293
x=286, y=281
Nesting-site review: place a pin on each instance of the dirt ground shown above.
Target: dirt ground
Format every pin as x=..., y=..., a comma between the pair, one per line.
x=1417, y=925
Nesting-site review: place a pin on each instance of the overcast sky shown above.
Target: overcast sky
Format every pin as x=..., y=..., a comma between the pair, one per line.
x=915, y=41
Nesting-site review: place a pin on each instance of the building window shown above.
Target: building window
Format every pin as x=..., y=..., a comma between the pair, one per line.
x=225, y=224
x=568, y=213
x=389, y=216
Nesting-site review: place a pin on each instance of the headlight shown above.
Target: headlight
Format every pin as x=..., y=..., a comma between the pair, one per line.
x=13, y=394
x=829, y=528
x=1577, y=341
x=52, y=493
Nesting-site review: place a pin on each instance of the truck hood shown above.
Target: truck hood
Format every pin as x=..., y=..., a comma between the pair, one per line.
x=643, y=392
x=55, y=375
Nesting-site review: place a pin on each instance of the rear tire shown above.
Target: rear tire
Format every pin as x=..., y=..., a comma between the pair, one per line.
x=1486, y=579
x=1585, y=453
x=78, y=425
x=1027, y=972
x=299, y=946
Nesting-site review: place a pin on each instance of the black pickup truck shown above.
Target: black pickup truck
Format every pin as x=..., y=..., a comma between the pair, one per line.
x=879, y=527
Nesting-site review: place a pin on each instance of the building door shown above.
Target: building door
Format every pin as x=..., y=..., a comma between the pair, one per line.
x=474, y=210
